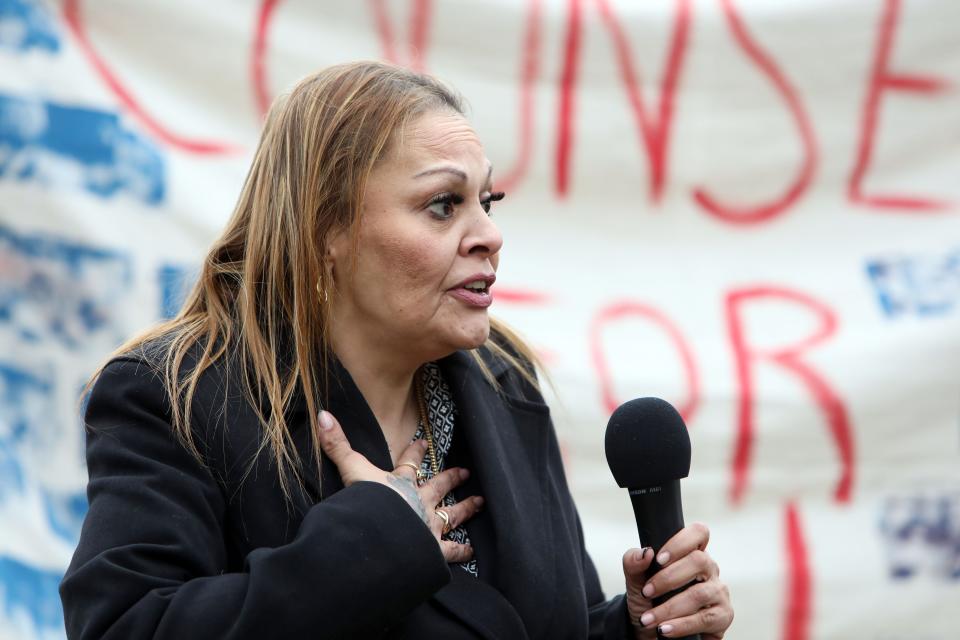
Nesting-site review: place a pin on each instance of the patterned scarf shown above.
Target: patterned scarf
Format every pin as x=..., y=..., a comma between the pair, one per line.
x=441, y=413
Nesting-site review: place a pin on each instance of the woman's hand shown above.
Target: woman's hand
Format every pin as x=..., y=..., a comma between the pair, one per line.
x=703, y=608
x=424, y=499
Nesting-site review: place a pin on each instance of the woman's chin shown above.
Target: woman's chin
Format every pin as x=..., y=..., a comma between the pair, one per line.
x=463, y=336
x=475, y=337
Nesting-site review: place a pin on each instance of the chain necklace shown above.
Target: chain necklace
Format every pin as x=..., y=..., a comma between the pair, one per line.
x=425, y=422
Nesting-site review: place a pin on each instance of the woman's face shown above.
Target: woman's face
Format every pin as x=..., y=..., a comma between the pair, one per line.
x=428, y=250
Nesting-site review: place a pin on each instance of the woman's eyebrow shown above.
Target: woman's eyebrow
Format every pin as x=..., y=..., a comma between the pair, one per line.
x=453, y=170
x=457, y=172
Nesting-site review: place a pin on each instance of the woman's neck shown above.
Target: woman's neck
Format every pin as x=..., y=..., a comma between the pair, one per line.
x=388, y=388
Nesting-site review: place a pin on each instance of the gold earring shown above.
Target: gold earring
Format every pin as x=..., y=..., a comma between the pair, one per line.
x=322, y=292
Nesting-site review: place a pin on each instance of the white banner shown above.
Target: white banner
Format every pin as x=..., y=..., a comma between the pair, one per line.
x=747, y=207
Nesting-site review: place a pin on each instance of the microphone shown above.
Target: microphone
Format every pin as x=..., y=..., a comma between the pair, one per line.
x=648, y=451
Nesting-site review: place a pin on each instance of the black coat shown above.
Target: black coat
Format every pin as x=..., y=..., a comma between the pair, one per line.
x=172, y=548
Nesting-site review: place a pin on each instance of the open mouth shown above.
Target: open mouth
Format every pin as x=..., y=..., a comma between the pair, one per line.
x=475, y=290
x=477, y=286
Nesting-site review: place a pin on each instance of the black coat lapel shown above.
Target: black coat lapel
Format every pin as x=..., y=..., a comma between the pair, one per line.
x=508, y=441
x=351, y=410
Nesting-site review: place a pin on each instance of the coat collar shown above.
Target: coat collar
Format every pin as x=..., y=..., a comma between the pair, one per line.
x=345, y=401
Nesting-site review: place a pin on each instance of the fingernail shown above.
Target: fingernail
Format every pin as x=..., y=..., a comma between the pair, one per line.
x=478, y=501
x=326, y=421
x=648, y=590
x=664, y=629
x=464, y=474
x=638, y=554
x=663, y=558
x=646, y=618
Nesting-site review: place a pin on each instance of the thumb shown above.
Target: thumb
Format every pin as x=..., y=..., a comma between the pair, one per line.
x=635, y=565
x=333, y=440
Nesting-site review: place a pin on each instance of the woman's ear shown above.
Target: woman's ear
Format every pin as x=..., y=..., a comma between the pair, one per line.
x=337, y=248
x=333, y=252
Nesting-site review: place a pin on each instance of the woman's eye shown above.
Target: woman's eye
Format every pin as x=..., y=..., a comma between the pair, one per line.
x=442, y=205
x=496, y=196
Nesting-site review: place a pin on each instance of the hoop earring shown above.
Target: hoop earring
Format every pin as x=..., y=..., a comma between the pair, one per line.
x=322, y=292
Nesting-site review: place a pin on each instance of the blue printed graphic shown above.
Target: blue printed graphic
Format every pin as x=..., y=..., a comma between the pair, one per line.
x=28, y=594
x=25, y=25
x=919, y=285
x=922, y=536
x=32, y=593
x=67, y=146
x=175, y=282
x=25, y=399
x=57, y=289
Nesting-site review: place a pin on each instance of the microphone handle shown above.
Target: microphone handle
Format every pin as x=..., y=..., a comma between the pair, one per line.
x=659, y=515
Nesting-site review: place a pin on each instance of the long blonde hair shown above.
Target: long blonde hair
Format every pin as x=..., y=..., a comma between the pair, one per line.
x=257, y=294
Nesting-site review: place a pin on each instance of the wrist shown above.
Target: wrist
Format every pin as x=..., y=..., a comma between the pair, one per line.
x=408, y=491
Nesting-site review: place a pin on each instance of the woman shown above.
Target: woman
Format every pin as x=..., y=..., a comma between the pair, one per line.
x=332, y=438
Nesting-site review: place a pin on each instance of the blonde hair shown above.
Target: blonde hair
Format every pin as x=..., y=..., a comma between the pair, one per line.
x=259, y=293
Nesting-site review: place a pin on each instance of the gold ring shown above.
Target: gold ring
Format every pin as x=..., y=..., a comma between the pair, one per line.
x=443, y=515
x=415, y=468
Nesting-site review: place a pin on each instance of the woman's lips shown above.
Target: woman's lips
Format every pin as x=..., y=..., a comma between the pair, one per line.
x=475, y=290
x=473, y=298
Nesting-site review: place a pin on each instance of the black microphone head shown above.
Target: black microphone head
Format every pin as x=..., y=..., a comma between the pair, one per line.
x=647, y=444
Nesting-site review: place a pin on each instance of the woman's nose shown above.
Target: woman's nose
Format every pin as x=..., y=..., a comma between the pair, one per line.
x=484, y=237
